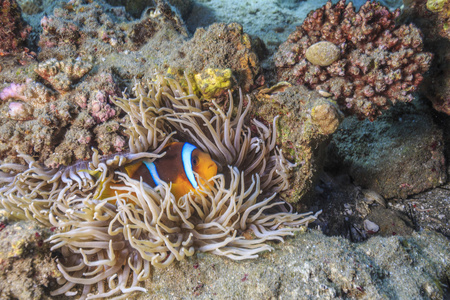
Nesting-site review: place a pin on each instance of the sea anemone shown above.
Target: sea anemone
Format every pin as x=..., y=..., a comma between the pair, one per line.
x=109, y=245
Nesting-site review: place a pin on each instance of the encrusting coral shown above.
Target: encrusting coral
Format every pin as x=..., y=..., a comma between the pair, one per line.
x=14, y=30
x=306, y=121
x=31, y=92
x=58, y=128
x=379, y=62
x=30, y=7
x=61, y=74
x=108, y=246
x=80, y=28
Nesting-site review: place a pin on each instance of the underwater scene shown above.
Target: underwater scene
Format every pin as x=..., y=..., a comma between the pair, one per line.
x=224, y=149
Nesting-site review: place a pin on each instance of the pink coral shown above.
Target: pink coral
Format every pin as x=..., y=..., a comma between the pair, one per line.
x=15, y=90
x=379, y=61
x=433, y=19
x=34, y=93
x=119, y=143
x=19, y=111
x=100, y=109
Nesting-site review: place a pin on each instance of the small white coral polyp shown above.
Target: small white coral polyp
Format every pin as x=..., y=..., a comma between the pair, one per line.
x=109, y=245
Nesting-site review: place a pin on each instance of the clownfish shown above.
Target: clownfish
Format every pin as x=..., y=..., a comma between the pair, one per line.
x=177, y=166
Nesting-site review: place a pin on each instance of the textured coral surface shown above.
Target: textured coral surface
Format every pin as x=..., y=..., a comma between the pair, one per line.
x=60, y=125
x=433, y=19
x=27, y=269
x=13, y=30
x=379, y=62
x=305, y=122
x=58, y=109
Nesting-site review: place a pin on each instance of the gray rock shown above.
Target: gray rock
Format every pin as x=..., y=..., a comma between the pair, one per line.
x=314, y=266
x=399, y=154
x=322, y=53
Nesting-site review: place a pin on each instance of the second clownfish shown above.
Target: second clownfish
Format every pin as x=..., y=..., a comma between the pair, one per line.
x=177, y=166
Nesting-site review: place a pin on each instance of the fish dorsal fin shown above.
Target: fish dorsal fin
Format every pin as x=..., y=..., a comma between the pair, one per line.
x=132, y=168
x=186, y=157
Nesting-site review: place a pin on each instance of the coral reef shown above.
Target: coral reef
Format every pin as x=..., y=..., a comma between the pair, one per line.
x=305, y=122
x=433, y=19
x=66, y=34
x=59, y=128
x=34, y=93
x=314, y=266
x=16, y=110
x=221, y=47
x=380, y=62
x=99, y=108
x=62, y=74
x=108, y=138
x=135, y=8
x=104, y=41
x=98, y=29
x=27, y=268
x=13, y=31
x=111, y=243
x=159, y=17
x=30, y=7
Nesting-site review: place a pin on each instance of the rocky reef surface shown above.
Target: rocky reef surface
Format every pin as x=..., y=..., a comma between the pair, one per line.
x=55, y=105
x=315, y=266
x=415, y=162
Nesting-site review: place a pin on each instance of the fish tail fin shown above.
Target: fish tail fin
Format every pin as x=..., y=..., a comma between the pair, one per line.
x=105, y=188
x=132, y=168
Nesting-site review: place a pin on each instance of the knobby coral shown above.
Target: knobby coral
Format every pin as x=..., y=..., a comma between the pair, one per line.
x=108, y=246
x=377, y=61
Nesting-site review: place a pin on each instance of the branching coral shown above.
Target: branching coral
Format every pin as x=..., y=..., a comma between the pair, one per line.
x=379, y=62
x=109, y=245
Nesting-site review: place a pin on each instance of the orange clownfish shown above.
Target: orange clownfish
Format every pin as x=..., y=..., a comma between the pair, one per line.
x=177, y=166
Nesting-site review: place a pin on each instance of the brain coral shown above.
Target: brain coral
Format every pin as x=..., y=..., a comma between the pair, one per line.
x=379, y=62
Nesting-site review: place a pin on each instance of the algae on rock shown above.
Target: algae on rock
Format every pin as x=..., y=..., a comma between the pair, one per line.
x=306, y=122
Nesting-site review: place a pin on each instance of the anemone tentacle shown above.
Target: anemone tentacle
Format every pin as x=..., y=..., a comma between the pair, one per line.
x=109, y=245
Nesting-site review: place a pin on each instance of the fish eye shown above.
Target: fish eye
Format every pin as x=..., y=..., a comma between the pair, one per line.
x=195, y=160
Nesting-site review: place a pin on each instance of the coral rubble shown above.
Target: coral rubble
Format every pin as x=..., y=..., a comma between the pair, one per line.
x=32, y=92
x=83, y=29
x=316, y=266
x=30, y=7
x=27, y=268
x=379, y=62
